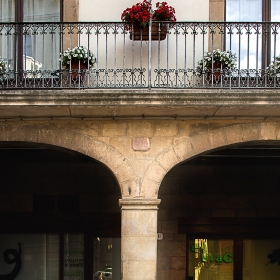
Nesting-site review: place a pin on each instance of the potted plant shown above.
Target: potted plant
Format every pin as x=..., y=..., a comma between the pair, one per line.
x=273, y=70
x=139, y=18
x=78, y=58
x=216, y=62
x=2, y=67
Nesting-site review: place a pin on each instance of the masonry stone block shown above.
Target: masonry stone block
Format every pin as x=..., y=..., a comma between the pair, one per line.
x=93, y=148
x=47, y=134
x=234, y=134
x=2, y=132
x=113, y=158
x=168, y=159
x=218, y=138
x=149, y=188
x=201, y=143
x=155, y=172
x=146, y=225
x=166, y=128
x=184, y=150
x=114, y=129
x=172, y=248
x=14, y=131
x=130, y=188
x=139, y=247
x=177, y=274
x=138, y=269
x=251, y=132
x=140, y=128
x=178, y=263
x=125, y=172
x=169, y=226
x=268, y=131
x=164, y=262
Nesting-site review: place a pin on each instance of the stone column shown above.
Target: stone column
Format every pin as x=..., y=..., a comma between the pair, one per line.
x=139, y=238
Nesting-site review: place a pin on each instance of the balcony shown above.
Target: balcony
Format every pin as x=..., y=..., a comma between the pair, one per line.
x=127, y=59
x=139, y=75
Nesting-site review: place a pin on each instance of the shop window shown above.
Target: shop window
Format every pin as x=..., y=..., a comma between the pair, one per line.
x=68, y=256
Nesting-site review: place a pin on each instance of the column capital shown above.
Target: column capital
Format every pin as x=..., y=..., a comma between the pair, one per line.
x=139, y=203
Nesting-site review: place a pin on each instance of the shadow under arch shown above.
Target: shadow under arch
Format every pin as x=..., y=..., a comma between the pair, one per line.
x=229, y=193
x=205, y=142
x=56, y=189
x=71, y=138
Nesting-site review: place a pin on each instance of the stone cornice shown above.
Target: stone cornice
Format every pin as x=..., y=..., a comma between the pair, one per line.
x=140, y=102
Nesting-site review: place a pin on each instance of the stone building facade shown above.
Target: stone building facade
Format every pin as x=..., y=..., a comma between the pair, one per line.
x=144, y=144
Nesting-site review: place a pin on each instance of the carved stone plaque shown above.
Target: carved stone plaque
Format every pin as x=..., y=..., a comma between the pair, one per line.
x=141, y=144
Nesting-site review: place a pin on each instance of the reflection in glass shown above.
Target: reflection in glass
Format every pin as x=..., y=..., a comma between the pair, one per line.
x=73, y=256
x=257, y=256
x=107, y=258
x=210, y=259
x=39, y=255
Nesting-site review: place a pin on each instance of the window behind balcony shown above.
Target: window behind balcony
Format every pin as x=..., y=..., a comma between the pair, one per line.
x=38, y=50
x=257, y=47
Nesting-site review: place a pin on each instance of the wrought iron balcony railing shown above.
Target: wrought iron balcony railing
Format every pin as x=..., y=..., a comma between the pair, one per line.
x=167, y=56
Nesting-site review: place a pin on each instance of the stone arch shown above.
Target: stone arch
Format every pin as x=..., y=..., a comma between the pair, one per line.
x=197, y=144
x=73, y=139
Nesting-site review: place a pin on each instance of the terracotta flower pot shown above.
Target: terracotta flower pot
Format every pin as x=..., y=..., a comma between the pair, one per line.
x=216, y=75
x=158, y=33
x=75, y=67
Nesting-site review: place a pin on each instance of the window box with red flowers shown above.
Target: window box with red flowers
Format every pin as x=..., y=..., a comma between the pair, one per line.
x=139, y=18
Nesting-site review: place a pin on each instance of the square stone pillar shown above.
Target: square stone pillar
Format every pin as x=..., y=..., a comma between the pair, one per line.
x=139, y=238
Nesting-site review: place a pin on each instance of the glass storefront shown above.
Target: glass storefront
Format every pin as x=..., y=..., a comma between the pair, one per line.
x=213, y=259
x=36, y=256
x=210, y=259
x=261, y=259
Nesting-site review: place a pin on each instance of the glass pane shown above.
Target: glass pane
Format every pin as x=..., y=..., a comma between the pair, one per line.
x=41, y=47
x=275, y=36
x=37, y=256
x=7, y=14
x=249, y=43
x=107, y=258
x=210, y=259
x=74, y=256
x=244, y=10
x=261, y=259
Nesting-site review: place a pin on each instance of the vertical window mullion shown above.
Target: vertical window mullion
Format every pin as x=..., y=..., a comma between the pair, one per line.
x=61, y=256
x=238, y=259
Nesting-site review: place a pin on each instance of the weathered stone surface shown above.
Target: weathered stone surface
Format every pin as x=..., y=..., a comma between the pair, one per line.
x=166, y=128
x=117, y=128
x=184, y=149
x=168, y=159
x=218, y=138
x=140, y=128
x=155, y=172
x=268, y=131
x=251, y=132
x=234, y=134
